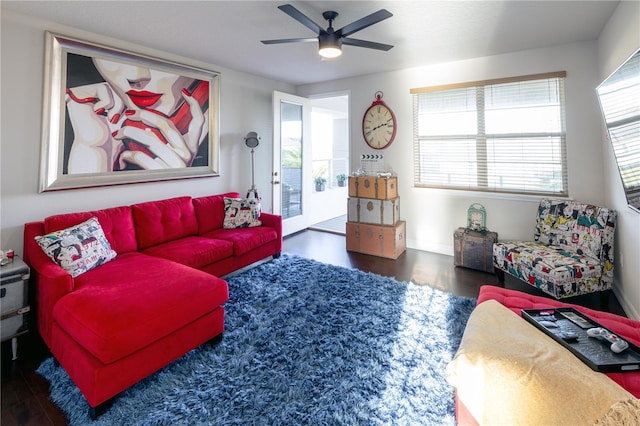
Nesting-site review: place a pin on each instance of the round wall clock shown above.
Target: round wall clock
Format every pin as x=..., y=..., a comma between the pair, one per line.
x=379, y=124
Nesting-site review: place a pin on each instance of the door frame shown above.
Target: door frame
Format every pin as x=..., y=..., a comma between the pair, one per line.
x=302, y=221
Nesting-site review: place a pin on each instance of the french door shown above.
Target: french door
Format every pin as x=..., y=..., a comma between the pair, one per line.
x=292, y=161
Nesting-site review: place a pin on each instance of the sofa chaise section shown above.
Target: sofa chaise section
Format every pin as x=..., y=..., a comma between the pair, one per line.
x=131, y=317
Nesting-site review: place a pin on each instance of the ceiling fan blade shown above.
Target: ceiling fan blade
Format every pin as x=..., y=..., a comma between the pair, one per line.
x=365, y=22
x=367, y=44
x=290, y=40
x=301, y=17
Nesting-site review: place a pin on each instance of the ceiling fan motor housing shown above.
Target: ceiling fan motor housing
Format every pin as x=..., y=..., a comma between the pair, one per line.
x=329, y=39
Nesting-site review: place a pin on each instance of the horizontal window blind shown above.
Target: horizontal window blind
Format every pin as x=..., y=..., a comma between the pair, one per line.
x=627, y=150
x=502, y=136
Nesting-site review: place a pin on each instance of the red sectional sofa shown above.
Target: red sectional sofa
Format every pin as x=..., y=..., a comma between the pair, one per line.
x=516, y=301
x=158, y=299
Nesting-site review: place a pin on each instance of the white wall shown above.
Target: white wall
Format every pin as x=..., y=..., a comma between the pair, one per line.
x=618, y=41
x=433, y=215
x=245, y=105
x=328, y=204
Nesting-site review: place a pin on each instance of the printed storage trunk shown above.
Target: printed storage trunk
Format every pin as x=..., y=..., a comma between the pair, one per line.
x=378, y=212
x=473, y=249
x=373, y=187
x=377, y=240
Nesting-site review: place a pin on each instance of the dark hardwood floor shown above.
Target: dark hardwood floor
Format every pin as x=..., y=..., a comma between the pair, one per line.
x=25, y=395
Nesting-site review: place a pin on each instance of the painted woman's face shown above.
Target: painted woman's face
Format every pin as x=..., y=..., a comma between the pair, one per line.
x=144, y=88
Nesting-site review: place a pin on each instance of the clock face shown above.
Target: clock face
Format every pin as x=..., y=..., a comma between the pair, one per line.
x=379, y=126
x=475, y=220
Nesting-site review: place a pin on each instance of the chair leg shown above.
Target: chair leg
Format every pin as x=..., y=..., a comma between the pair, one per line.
x=215, y=340
x=604, y=300
x=100, y=409
x=500, y=275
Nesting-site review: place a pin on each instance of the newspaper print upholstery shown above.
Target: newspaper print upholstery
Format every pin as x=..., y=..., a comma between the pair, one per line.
x=572, y=251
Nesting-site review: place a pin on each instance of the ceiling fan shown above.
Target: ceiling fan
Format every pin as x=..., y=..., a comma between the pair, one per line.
x=330, y=41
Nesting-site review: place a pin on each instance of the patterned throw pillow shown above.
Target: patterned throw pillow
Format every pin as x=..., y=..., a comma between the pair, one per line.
x=241, y=213
x=78, y=249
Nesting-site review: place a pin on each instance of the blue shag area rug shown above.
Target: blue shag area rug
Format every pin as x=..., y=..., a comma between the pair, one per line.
x=305, y=343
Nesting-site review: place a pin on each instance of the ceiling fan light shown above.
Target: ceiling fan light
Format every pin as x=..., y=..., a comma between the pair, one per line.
x=330, y=46
x=330, y=52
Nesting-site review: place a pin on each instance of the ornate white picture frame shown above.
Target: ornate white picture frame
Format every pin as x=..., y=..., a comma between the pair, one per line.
x=114, y=117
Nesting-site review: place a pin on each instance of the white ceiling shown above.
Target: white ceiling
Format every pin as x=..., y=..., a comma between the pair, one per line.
x=228, y=33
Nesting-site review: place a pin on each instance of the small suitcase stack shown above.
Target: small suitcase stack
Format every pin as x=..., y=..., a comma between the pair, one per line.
x=373, y=217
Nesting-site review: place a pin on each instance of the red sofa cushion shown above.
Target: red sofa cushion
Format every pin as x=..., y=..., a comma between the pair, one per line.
x=625, y=327
x=116, y=222
x=114, y=314
x=157, y=222
x=210, y=211
x=245, y=239
x=194, y=252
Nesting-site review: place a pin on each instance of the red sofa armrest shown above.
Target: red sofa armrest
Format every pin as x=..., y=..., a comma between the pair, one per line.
x=51, y=281
x=273, y=221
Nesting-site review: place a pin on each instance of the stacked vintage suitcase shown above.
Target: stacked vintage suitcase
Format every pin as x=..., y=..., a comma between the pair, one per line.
x=373, y=217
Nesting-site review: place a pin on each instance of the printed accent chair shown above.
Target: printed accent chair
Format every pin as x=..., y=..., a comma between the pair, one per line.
x=572, y=251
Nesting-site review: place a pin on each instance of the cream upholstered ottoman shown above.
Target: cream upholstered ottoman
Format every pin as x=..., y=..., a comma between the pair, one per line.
x=507, y=372
x=627, y=328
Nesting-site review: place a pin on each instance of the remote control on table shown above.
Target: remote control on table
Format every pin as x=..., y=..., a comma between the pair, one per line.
x=617, y=344
x=567, y=336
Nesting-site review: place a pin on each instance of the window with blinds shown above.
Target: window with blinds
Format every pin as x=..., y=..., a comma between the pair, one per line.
x=503, y=135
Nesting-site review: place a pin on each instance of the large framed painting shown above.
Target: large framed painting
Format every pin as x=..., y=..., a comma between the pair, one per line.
x=115, y=117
